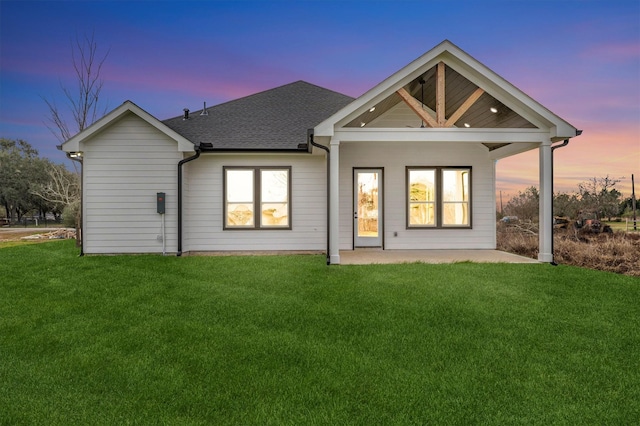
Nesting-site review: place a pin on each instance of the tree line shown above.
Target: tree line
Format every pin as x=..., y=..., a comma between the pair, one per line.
x=597, y=197
x=32, y=186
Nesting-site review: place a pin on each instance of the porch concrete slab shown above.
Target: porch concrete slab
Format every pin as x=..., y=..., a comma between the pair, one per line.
x=366, y=256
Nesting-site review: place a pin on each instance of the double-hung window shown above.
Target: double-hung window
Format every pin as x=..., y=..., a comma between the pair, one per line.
x=438, y=197
x=257, y=197
x=422, y=197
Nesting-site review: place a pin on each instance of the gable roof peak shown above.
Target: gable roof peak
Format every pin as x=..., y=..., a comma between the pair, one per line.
x=127, y=107
x=467, y=67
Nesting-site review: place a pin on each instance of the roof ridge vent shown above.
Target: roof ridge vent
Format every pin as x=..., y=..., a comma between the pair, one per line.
x=204, y=110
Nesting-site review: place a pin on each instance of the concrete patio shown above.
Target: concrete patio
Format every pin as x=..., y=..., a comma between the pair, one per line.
x=366, y=256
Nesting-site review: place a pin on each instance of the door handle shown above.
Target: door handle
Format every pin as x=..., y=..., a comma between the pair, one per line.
x=355, y=215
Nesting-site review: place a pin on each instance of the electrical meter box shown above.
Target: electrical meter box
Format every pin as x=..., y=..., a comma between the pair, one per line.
x=160, y=202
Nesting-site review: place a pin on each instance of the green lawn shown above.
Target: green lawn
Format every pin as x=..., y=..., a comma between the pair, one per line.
x=622, y=226
x=287, y=340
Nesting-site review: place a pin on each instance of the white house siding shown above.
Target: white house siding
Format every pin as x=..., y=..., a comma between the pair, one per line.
x=124, y=167
x=204, y=205
x=394, y=158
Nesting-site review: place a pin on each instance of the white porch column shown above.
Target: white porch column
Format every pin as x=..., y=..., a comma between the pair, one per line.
x=545, y=233
x=334, y=201
x=495, y=230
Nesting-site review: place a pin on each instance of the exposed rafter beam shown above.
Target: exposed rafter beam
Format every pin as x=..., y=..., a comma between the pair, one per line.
x=464, y=107
x=416, y=106
x=440, y=90
x=440, y=121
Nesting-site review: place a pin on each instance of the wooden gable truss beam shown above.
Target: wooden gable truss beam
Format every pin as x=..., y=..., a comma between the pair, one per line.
x=464, y=107
x=440, y=88
x=416, y=106
x=440, y=121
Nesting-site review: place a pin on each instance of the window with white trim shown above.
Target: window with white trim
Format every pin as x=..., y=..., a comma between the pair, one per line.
x=438, y=197
x=257, y=197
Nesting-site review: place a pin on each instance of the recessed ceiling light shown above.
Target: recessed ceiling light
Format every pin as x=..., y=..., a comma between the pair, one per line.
x=372, y=109
x=362, y=124
x=493, y=110
x=467, y=125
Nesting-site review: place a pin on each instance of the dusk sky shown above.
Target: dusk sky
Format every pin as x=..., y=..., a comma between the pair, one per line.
x=580, y=59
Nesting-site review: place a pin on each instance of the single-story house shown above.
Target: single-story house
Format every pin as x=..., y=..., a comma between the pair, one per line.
x=410, y=164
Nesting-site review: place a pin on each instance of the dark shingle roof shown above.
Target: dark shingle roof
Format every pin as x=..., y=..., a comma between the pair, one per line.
x=275, y=119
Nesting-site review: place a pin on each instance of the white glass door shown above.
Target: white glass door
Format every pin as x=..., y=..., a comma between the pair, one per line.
x=367, y=215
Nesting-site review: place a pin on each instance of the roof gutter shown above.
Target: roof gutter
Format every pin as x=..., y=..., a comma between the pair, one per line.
x=206, y=147
x=180, y=164
x=317, y=145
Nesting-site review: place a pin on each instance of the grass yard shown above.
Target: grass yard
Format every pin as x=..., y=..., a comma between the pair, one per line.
x=623, y=226
x=287, y=340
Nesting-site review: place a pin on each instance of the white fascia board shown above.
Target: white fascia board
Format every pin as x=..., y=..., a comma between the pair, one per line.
x=325, y=128
x=562, y=131
x=452, y=135
x=73, y=144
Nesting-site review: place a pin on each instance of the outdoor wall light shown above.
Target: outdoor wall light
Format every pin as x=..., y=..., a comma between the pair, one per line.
x=75, y=154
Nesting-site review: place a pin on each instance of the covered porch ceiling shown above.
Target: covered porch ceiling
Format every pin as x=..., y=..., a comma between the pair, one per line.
x=443, y=98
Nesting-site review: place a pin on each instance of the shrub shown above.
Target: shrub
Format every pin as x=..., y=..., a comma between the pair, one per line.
x=70, y=214
x=617, y=252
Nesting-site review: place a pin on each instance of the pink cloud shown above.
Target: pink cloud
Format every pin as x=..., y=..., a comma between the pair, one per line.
x=602, y=150
x=616, y=52
x=227, y=78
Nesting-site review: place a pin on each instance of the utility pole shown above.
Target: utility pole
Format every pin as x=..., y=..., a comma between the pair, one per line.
x=633, y=203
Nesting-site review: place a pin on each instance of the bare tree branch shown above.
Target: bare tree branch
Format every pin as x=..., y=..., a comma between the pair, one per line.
x=83, y=101
x=62, y=188
x=57, y=125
